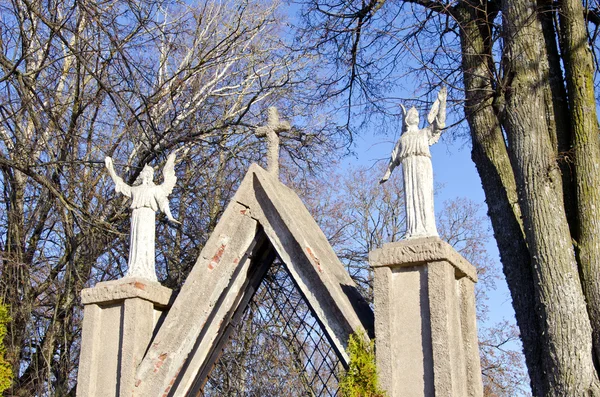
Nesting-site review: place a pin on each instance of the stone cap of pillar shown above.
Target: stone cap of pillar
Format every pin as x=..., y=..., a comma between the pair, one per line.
x=126, y=288
x=419, y=251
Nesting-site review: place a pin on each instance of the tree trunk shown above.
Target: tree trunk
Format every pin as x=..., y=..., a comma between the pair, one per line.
x=567, y=334
x=494, y=168
x=15, y=273
x=558, y=113
x=579, y=72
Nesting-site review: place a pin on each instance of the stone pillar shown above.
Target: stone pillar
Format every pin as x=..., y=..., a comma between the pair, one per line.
x=425, y=327
x=119, y=321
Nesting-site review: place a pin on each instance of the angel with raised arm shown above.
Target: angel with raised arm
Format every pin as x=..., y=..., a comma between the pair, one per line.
x=412, y=151
x=146, y=199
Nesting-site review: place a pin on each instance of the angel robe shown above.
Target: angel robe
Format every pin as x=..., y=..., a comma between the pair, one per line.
x=146, y=200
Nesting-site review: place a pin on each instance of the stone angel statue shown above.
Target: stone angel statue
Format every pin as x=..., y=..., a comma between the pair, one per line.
x=146, y=199
x=412, y=151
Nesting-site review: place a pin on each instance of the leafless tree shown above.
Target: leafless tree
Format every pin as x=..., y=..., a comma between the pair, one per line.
x=524, y=75
x=81, y=80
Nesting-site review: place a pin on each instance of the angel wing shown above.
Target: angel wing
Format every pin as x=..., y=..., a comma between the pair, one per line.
x=404, y=125
x=169, y=175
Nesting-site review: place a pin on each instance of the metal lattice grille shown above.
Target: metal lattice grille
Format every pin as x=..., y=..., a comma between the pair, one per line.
x=277, y=349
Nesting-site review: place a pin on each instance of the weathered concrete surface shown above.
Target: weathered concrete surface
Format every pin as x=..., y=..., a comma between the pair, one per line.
x=420, y=251
x=119, y=319
x=128, y=287
x=468, y=317
x=449, y=373
x=271, y=132
x=315, y=267
x=425, y=328
x=402, y=329
x=216, y=285
x=197, y=312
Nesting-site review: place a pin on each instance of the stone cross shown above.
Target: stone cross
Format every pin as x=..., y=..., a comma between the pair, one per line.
x=271, y=132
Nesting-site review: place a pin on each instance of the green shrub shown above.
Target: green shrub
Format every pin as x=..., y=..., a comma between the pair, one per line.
x=6, y=374
x=361, y=378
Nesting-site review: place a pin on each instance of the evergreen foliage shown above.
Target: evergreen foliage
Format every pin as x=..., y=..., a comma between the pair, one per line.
x=361, y=378
x=6, y=374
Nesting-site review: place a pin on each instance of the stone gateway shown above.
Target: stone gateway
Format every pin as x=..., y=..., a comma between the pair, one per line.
x=138, y=340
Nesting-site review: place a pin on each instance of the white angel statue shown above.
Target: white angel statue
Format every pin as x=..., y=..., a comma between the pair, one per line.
x=412, y=151
x=146, y=199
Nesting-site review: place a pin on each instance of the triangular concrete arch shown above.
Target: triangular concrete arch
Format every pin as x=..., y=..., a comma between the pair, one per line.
x=264, y=219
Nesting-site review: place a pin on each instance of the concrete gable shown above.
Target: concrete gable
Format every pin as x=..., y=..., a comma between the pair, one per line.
x=264, y=219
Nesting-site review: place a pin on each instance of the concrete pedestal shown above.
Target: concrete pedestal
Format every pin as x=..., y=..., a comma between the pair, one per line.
x=119, y=321
x=425, y=326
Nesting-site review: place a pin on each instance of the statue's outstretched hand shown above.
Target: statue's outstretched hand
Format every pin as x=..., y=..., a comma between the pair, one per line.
x=387, y=175
x=120, y=186
x=443, y=94
x=441, y=116
x=437, y=113
x=171, y=219
x=108, y=162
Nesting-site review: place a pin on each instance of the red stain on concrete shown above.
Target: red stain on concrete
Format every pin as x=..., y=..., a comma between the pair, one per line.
x=160, y=362
x=168, y=389
x=314, y=259
x=217, y=257
x=172, y=382
x=139, y=285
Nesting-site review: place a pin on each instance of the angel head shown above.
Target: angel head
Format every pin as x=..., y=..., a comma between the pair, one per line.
x=412, y=117
x=146, y=176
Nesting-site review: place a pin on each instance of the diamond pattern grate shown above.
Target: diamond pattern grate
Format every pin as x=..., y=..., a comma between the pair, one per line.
x=278, y=348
